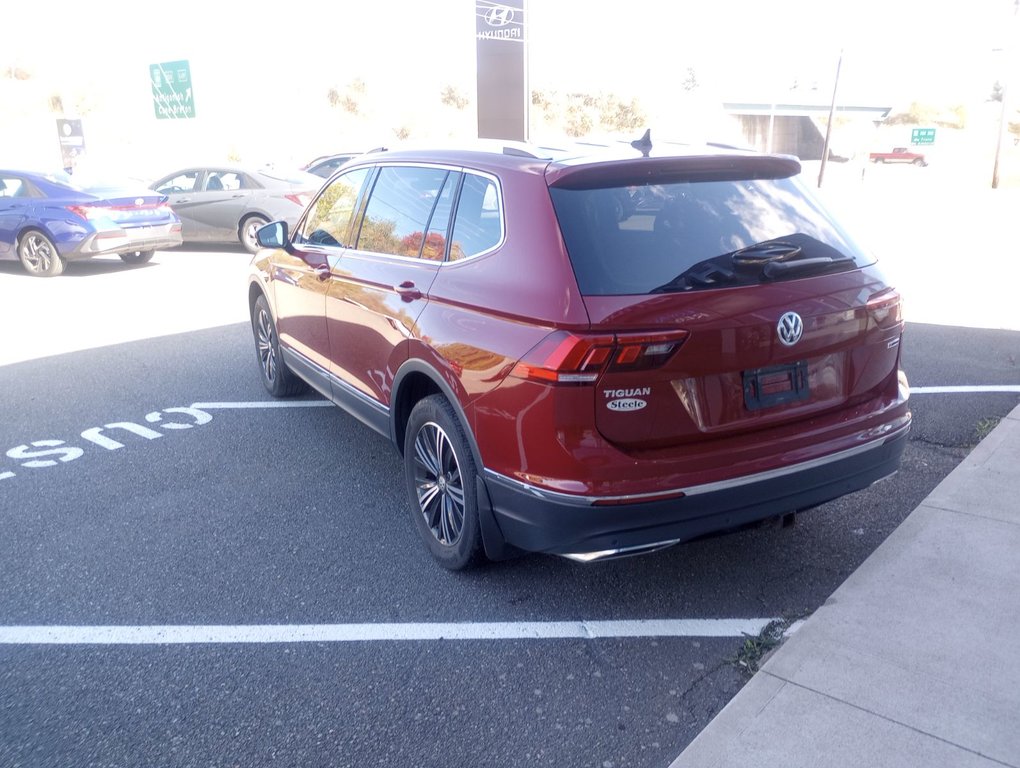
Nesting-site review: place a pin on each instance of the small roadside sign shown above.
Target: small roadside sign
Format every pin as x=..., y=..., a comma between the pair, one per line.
x=72, y=142
x=922, y=136
x=172, y=94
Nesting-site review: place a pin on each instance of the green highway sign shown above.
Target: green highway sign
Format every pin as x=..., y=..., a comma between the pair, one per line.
x=172, y=96
x=922, y=136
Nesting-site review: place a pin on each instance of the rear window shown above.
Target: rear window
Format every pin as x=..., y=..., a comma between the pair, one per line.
x=296, y=178
x=685, y=236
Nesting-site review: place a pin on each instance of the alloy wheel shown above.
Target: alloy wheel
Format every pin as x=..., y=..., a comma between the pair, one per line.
x=266, y=342
x=37, y=253
x=438, y=483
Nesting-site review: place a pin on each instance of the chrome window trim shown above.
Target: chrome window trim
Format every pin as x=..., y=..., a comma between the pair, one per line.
x=695, y=490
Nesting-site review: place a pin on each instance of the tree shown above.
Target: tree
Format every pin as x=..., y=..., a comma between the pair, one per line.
x=452, y=97
x=17, y=73
x=690, y=82
x=578, y=114
x=348, y=98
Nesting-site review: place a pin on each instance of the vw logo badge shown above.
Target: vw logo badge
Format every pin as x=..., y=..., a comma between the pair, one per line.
x=790, y=328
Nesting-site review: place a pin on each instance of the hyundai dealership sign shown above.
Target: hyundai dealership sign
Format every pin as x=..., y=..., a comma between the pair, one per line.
x=502, y=70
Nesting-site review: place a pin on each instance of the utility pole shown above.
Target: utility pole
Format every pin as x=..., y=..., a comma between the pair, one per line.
x=1004, y=113
x=832, y=114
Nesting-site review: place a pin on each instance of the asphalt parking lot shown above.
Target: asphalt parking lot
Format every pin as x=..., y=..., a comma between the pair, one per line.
x=192, y=575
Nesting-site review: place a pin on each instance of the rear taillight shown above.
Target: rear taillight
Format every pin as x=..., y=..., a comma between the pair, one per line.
x=87, y=211
x=301, y=198
x=568, y=358
x=886, y=309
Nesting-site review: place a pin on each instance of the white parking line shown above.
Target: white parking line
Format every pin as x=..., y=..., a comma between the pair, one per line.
x=957, y=390
x=264, y=404
x=347, y=633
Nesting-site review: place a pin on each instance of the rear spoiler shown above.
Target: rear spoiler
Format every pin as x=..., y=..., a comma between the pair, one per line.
x=662, y=170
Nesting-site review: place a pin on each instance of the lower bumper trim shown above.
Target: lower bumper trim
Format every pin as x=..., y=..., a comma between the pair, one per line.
x=541, y=523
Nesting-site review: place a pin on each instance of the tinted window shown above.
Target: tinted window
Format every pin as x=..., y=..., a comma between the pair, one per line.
x=329, y=219
x=682, y=236
x=479, y=223
x=399, y=209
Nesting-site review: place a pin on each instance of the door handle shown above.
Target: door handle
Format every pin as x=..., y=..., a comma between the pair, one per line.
x=407, y=291
x=237, y=196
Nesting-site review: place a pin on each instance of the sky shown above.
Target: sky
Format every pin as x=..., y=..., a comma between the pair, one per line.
x=261, y=69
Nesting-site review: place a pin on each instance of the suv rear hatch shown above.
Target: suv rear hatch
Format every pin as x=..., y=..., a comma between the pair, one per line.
x=723, y=299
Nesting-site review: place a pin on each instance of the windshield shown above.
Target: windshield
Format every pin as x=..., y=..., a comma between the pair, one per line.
x=694, y=235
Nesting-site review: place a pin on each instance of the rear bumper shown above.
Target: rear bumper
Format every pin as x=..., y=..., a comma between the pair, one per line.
x=127, y=240
x=520, y=517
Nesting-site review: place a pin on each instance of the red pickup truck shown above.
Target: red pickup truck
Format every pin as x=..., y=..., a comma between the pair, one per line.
x=898, y=155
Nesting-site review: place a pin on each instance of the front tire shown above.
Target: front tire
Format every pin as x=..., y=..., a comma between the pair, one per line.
x=440, y=473
x=39, y=255
x=277, y=378
x=247, y=231
x=137, y=257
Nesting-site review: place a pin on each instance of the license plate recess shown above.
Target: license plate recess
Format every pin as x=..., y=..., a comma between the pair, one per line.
x=775, y=385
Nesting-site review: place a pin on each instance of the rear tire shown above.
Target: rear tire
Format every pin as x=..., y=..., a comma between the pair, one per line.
x=440, y=473
x=137, y=257
x=39, y=256
x=277, y=378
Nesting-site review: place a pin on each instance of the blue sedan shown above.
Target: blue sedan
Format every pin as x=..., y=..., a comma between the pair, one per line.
x=46, y=220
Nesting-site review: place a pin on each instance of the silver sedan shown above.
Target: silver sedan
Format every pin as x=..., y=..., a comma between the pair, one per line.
x=228, y=203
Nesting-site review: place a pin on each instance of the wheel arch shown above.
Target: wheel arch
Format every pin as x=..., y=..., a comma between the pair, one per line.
x=34, y=227
x=254, y=291
x=414, y=381
x=250, y=214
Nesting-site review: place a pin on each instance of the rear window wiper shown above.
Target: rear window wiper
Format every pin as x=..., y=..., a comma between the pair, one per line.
x=765, y=253
x=704, y=274
x=778, y=259
x=777, y=270
x=768, y=260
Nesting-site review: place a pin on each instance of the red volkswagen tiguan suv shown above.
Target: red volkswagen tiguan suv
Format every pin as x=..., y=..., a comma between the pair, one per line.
x=588, y=354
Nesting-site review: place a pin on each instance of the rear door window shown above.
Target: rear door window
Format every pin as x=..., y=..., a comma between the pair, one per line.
x=399, y=209
x=648, y=238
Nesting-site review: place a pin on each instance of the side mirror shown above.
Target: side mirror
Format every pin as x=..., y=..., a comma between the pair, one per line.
x=273, y=235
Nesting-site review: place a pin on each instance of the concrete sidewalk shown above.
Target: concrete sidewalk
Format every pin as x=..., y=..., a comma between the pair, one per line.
x=915, y=660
